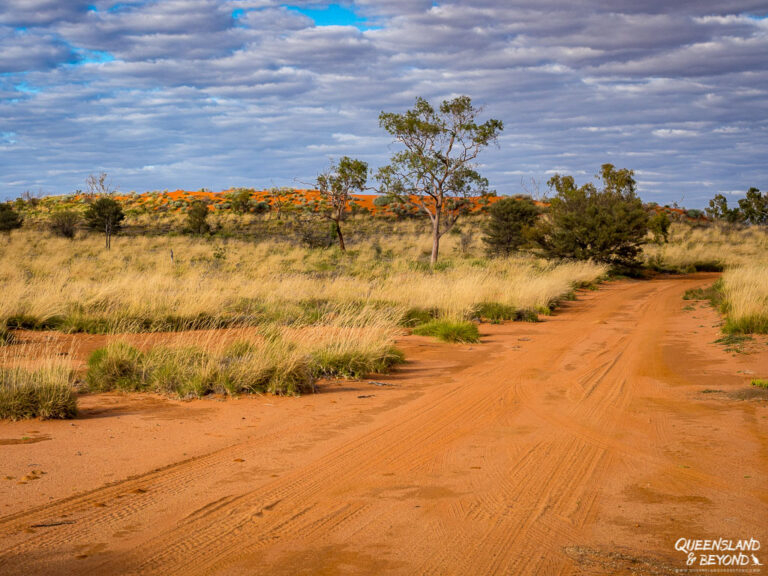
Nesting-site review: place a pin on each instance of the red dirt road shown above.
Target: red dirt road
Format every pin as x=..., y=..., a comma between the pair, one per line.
x=580, y=445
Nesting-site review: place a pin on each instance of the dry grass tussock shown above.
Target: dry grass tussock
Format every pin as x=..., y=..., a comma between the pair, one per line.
x=45, y=391
x=282, y=316
x=271, y=359
x=745, y=290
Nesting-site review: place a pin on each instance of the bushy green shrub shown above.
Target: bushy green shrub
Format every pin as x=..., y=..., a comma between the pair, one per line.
x=494, y=312
x=608, y=225
x=510, y=224
x=65, y=223
x=197, y=218
x=9, y=218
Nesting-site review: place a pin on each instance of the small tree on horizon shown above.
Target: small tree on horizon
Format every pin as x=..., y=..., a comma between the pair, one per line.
x=9, y=218
x=281, y=200
x=105, y=214
x=437, y=170
x=65, y=223
x=240, y=200
x=718, y=210
x=197, y=218
x=754, y=207
x=336, y=186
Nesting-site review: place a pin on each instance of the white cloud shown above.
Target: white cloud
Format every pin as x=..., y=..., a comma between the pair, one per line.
x=182, y=94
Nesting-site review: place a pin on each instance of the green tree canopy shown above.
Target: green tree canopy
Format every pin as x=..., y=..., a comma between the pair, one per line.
x=105, y=214
x=607, y=225
x=718, y=210
x=437, y=167
x=336, y=186
x=509, y=225
x=754, y=207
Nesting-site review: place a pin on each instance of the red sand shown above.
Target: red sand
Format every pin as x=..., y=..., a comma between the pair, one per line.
x=579, y=445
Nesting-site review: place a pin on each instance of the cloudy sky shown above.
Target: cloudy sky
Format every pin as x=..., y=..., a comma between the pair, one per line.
x=220, y=93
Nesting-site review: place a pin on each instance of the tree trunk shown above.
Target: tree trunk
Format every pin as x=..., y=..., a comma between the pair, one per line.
x=435, y=238
x=341, y=237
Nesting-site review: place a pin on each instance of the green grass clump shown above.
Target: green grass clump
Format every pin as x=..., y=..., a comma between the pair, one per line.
x=330, y=362
x=494, y=312
x=45, y=393
x=415, y=316
x=274, y=366
x=760, y=383
x=449, y=331
x=186, y=372
x=753, y=324
x=708, y=266
x=713, y=294
x=117, y=366
x=526, y=315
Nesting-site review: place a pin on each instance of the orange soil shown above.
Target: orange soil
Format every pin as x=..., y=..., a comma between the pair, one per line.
x=580, y=445
x=297, y=197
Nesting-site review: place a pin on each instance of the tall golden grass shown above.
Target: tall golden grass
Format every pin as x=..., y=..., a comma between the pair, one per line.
x=136, y=286
x=743, y=255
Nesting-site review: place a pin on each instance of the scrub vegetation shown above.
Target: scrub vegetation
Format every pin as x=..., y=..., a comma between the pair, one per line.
x=266, y=295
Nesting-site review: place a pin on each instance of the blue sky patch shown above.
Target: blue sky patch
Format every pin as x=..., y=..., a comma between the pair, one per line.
x=332, y=15
x=92, y=56
x=26, y=88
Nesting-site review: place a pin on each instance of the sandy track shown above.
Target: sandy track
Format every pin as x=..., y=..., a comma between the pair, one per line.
x=580, y=445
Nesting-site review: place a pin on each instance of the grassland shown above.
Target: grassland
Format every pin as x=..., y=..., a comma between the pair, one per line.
x=77, y=286
x=742, y=254
x=261, y=316
x=307, y=312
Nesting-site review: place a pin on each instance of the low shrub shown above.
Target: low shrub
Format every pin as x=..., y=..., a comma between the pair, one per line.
x=44, y=393
x=760, y=383
x=65, y=223
x=753, y=324
x=708, y=266
x=526, y=315
x=449, y=331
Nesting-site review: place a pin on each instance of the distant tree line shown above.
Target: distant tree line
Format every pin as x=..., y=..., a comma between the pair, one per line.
x=752, y=209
